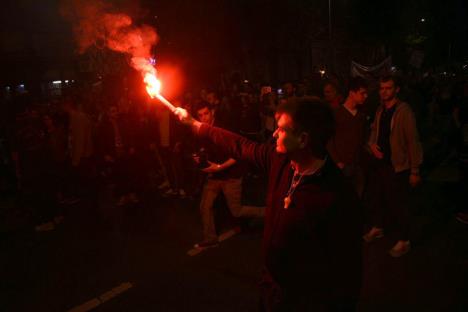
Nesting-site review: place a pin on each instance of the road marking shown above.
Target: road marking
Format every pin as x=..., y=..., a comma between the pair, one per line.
x=87, y=306
x=93, y=303
x=226, y=235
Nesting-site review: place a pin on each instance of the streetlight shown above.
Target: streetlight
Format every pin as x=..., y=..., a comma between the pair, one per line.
x=330, y=37
x=329, y=21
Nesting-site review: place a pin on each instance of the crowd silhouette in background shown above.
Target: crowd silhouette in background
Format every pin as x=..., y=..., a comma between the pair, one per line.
x=114, y=151
x=55, y=151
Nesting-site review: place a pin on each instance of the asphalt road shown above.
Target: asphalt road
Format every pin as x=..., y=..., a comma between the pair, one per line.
x=142, y=264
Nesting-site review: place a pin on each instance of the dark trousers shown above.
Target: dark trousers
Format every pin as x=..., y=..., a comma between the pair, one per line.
x=274, y=298
x=355, y=176
x=390, y=199
x=37, y=186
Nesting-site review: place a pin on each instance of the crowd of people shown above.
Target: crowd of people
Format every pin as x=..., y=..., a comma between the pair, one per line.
x=379, y=137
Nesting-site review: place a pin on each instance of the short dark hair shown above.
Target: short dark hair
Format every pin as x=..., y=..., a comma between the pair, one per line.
x=313, y=116
x=357, y=83
x=332, y=83
x=202, y=105
x=386, y=78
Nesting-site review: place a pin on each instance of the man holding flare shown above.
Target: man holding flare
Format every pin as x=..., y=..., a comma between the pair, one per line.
x=313, y=224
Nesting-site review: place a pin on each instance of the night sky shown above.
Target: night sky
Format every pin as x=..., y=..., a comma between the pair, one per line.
x=210, y=37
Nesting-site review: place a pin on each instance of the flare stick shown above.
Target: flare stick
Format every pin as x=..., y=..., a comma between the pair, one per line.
x=166, y=103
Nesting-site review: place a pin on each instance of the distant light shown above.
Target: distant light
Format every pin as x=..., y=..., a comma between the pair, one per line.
x=393, y=68
x=20, y=88
x=66, y=81
x=322, y=72
x=57, y=81
x=423, y=20
x=465, y=66
x=7, y=88
x=246, y=81
x=444, y=73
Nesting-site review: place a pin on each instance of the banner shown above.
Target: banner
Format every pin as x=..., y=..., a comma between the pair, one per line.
x=372, y=72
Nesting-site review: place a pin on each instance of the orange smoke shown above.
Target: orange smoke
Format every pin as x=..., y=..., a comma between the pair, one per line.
x=96, y=22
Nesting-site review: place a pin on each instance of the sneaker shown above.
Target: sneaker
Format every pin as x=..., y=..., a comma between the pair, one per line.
x=123, y=200
x=374, y=234
x=462, y=217
x=133, y=198
x=207, y=244
x=58, y=219
x=401, y=248
x=69, y=200
x=171, y=192
x=163, y=185
x=44, y=227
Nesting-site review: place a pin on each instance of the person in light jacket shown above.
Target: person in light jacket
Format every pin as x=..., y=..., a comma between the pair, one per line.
x=394, y=143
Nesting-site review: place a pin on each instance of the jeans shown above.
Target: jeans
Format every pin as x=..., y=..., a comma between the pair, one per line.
x=232, y=190
x=390, y=199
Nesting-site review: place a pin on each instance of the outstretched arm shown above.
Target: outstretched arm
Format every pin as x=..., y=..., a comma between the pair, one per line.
x=235, y=145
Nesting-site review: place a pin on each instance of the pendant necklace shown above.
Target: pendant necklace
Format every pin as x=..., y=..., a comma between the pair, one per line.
x=297, y=178
x=295, y=182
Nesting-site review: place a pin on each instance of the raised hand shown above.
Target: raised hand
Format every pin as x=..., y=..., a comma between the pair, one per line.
x=186, y=119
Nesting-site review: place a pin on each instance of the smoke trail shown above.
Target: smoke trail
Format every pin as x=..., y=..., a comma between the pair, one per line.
x=96, y=22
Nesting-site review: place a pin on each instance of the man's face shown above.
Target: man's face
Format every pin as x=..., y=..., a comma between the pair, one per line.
x=286, y=140
x=288, y=89
x=388, y=90
x=212, y=98
x=330, y=93
x=359, y=96
x=205, y=115
x=203, y=94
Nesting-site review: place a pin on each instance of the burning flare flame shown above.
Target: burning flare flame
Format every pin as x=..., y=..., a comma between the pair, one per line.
x=153, y=85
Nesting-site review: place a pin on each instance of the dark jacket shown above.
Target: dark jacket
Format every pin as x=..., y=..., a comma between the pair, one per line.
x=316, y=242
x=219, y=155
x=129, y=129
x=349, y=141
